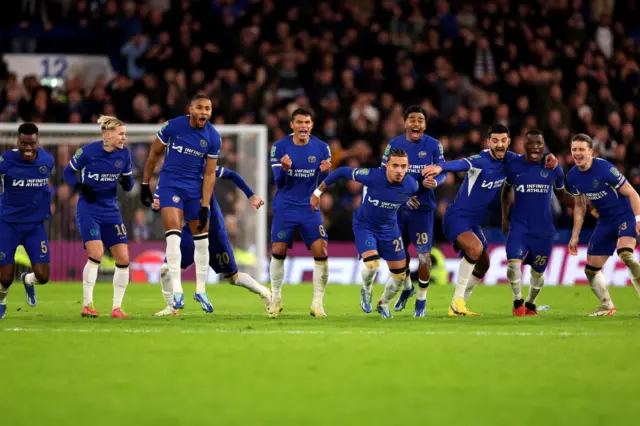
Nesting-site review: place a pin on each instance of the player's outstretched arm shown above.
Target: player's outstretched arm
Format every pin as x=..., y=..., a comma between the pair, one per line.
x=449, y=166
x=579, y=211
x=564, y=197
x=339, y=173
x=146, y=196
x=255, y=200
x=506, y=200
x=438, y=159
x=628, y=191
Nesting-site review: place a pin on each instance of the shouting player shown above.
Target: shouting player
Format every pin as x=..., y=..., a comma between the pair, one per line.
x=618, y=225
x=416, y=225
x=375, y=222
x=192, y=146
x=101, y=166
x=299, y=162
x=530, y=231
x=221, y=258
x=26, y=205
x=486, y=173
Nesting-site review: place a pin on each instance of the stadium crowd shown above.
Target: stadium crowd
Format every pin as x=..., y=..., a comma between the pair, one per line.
x=562, y=66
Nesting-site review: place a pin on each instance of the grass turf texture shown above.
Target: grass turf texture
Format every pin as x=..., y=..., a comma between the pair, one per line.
x=237, y=367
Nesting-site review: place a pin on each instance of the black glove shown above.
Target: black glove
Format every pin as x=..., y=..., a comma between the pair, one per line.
x=203, y=216
x=87, y=191
x=126, y=182
x=145, y=195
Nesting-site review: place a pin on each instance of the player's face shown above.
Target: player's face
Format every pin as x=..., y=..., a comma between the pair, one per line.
x=415, y=125
x=28, y=147
x=498, y=144
x=200, y=112
x=116, y=137
x=397, y=169
x=534, y=147
x=301, y=126
x=581, y=153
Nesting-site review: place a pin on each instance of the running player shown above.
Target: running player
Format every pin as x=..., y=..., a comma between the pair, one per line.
x=375, y=222
x=221, y=258
x=416, y=225
x=299, y=162
x=486, y=173
x=25, y=207
x=101, y=166
x=618, y=224
x=192, y=147
x=530, y=231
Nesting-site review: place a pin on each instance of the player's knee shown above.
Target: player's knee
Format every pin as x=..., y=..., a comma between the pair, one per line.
x=474, y=252
x=41, y=277
x=279, y=256
x=591, y=271
x=321, y=251
x=424, y=260
x=372, y=262
x=398, y=274
x=626, y=255
x=232, y=278
x=513, y=269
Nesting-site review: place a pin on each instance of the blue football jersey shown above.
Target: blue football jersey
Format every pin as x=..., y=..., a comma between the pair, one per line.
x=600, y=184
x=187, y=151
x=422, y=153
x=25, y=184
x=481, y=184
x=101, y=170
x=533, y=188
x=303, y=176
x=381, y=199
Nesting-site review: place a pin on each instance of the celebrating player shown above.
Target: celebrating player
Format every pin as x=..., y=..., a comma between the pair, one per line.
x=25, y=207
x=192, y=146
x=530, y=231
x=375, y=222
x=416, y=225
x=221, y=257
x=618, y=225
x=486, y=173
x=101, y=166
x=298, y=162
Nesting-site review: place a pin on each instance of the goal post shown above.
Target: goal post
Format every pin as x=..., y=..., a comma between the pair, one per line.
x=244, y=150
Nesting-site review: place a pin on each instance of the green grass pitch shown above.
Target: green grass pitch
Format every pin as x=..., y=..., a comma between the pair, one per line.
x=237, y=367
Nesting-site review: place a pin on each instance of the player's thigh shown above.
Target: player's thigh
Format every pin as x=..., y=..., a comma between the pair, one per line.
x=391, y=249
x=366, y=243
x=313, y=233
x=516, y=247
x=221, y=258
x=461, y=233
x=90, y=230
x=603, y=241
x=7, y=272
x=470, y=244
x=36, y=244
x=113, y=232
x=283, y=228
x=539, y=253
x=95, y=249
x=171, y=208
x=627, y=234
x=172, y=218
x=120, y=253
x=192, y=212
x=419, y=227
x=10, y=239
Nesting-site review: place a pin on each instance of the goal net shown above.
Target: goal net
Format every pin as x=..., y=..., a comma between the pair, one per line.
x=244, y=150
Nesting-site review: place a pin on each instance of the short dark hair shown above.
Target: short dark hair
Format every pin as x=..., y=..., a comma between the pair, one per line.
x=582, y=137
x=28, y=129
x=301, y=111
x=498, y=128
x=534, y=132
x=414, y=108
x=200, y=96
x=398, y=152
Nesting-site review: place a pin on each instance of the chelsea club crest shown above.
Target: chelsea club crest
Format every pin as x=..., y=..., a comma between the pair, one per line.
x=43, y=169
x=544, y=173
x=422, y=154
x=118, y=164
x=312, y=159
x=203, y=143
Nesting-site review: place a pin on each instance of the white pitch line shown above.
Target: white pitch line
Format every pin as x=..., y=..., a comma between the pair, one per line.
x=483, y=333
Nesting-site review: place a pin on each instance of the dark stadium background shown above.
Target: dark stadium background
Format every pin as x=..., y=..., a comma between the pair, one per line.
x=561, y=66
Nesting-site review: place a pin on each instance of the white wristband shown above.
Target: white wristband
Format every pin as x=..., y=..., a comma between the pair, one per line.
x=638, y=218
x=317, y=192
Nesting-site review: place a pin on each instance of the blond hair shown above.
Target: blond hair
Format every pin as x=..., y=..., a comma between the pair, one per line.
x=108, y=122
